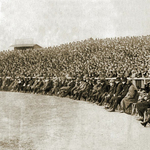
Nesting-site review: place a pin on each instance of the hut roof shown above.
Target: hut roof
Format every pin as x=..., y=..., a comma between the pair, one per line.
x=25, y=45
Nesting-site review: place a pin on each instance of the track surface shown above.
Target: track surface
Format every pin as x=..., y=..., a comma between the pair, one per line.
x=38, y=122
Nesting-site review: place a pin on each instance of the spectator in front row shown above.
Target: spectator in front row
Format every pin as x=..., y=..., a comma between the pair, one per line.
x=143, y=105
x=131, y=97
x=121, y=95
x=118, y=89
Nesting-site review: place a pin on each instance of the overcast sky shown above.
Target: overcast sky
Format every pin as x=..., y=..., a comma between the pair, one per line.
x=53, y=22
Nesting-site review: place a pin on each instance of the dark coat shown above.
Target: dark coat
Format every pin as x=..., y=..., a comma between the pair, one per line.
x=118, y=89
x=124, y=90
x=112, y=90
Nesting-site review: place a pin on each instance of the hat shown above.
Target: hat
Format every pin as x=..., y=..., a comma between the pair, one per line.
x=102, y=81
x=124, y=79
x=129, y=81
x=77, y=80
x=111, y=81
x=117, y=79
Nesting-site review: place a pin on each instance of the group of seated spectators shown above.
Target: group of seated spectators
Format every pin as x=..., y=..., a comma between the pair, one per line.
x=79, y=70
x=109, y=93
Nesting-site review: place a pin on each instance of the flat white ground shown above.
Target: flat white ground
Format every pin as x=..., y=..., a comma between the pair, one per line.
x=38, y=122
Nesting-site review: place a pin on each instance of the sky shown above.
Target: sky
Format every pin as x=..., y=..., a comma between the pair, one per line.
x=54, y=22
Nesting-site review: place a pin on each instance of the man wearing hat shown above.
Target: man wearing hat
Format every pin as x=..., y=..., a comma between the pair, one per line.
x=88, y=90
x=110, y=93
x=73, y=90
x=80, y=89
x=102, y=91
x=96, y=86
x=36, y=81
x=48, y=84
x=29, y=84
x=38, y=87
x=131, y=97
x=99, y=90
x=1, y=81
x=118, y=89
x=117, y=99
x=65, y=90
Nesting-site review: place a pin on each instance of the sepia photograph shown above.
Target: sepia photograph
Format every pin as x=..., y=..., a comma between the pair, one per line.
x=74, y=74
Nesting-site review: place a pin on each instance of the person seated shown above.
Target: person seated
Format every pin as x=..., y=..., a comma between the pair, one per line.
x=29, y=84
x=65, y=90
x=6, y=83
x=1, y=81
x=77, y=83
x=147, y=87
x=102, y=91
x=142, y=105
x=130, y=98
x=20, y=84
x=55, y=89
x=118, y=88
x=109, y=94
x=36, y=81
x=13, y=85
x=38, y=86
x=121, y=95
x=48, y=85
x=146, y=122
x=78, y=92
x=10, y=87
x=25, y=81
x=88, y=91
x=94, y=92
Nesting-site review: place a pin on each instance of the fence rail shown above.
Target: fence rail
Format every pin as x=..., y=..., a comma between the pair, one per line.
x=139, y=82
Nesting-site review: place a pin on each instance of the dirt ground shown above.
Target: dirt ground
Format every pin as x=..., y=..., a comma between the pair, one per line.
x=39, y=122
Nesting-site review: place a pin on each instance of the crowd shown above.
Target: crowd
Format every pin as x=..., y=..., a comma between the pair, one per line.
x=79, y=70
x=110, y=57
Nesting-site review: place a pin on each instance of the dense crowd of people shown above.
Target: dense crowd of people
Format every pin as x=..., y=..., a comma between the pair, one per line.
x=79, y=70
x=110, y=57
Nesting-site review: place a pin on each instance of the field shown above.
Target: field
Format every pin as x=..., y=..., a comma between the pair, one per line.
x=40, y=122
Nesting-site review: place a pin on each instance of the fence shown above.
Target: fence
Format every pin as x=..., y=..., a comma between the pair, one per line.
x=139, y=82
